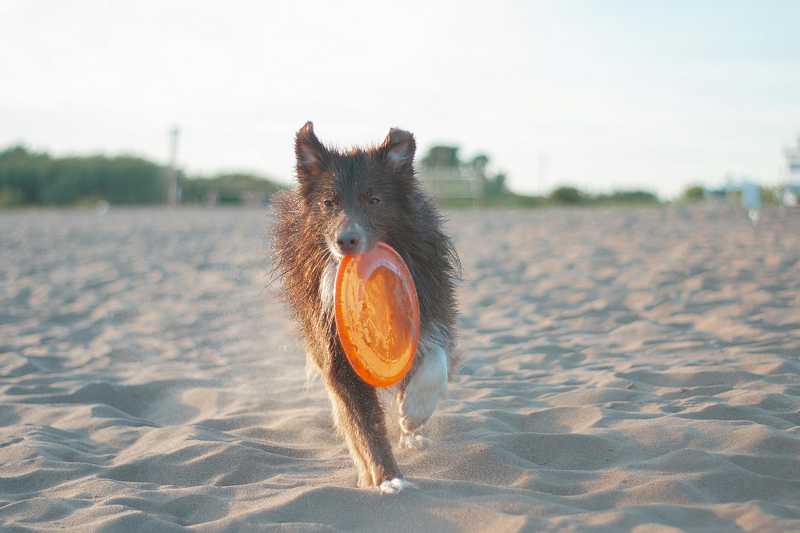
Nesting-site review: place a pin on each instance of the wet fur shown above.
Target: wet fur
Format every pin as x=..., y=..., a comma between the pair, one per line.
x=409, y=222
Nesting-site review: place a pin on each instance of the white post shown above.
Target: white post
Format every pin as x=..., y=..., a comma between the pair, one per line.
x=172, y=171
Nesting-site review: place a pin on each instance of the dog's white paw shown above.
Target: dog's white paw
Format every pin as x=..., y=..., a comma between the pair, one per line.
x=394, y=486
x=427, y=386
x=414, y=441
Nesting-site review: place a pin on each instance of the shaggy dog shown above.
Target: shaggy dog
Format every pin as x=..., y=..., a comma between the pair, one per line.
x=344, y=202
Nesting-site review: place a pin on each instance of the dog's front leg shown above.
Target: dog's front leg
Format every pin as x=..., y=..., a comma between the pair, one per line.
x=360, y=418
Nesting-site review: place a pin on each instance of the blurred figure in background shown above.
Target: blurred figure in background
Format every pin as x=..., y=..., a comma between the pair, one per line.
x=751, y=200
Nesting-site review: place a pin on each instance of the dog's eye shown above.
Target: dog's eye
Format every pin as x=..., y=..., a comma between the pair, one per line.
x=328, y=203
x=374, y=200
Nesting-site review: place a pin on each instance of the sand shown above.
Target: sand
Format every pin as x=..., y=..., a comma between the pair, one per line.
x=623, y=370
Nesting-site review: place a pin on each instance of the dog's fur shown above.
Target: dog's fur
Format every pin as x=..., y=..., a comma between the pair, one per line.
x=344, y=202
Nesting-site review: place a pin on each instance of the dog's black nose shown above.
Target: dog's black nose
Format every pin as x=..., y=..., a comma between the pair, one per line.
x=348, y=242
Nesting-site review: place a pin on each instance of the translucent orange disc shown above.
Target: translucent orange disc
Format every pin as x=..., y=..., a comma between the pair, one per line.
x=377, y=315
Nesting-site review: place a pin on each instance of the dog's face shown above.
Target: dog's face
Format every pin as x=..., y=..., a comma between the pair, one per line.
x=358, y=197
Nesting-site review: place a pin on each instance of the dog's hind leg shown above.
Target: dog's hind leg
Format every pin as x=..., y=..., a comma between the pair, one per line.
x=418, y=399
x=360, y=418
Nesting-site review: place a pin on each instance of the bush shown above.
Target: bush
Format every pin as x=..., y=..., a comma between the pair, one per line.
x=228, y=188
x=567, y=196
x=627, y=198
x=693, y=193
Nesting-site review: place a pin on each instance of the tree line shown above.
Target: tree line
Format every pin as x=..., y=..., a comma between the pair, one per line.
x=35, y=178
x=445, y=161
x=30, y=178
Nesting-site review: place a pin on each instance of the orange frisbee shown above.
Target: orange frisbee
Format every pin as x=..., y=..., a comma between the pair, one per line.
x=377, y=315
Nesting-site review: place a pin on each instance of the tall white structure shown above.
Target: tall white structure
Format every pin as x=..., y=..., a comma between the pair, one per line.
x=173, y=193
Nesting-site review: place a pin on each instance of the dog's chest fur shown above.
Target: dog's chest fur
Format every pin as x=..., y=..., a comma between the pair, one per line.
x=327, y=285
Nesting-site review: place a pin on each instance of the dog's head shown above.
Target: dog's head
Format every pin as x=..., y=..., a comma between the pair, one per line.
x=359, y=196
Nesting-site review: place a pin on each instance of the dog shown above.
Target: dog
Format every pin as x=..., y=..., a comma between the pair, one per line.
x=345, y=202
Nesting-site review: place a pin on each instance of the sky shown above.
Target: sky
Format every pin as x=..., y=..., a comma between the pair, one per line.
x=599, y=94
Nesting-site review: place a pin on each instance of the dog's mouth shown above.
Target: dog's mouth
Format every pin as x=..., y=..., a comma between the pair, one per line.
x=334, y=252
x=338, y=253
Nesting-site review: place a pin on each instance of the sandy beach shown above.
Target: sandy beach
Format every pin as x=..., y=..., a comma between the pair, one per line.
x=622, y=370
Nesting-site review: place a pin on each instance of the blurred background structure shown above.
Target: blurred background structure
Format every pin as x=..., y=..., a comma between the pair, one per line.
x=173, y=190
x=791, y=189
x=449, y=178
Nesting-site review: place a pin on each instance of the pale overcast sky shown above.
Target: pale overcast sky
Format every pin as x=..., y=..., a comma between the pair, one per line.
x=601, y=94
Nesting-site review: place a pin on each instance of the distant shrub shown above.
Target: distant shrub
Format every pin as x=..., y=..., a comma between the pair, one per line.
x=228, y=189
x=693, y=193
x=770, y=196
x=627, y=197
x=567, y=196
x=522, y=200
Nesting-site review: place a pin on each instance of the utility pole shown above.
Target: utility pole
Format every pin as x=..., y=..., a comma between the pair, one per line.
x=172, y=170
x=541, y=167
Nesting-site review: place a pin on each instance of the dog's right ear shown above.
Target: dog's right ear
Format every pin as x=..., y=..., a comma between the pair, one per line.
x=311, y=155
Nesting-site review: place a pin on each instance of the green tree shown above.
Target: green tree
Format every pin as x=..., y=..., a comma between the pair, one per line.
x=30, y=178
x=441, y=156
x=23, y=174
x=693, y=193
x=567, y=196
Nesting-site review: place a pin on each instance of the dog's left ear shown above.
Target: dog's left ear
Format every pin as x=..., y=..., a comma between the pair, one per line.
x=398, y=150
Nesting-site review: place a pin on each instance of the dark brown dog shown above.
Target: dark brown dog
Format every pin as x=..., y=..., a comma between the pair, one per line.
x=346, y=201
